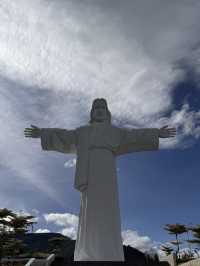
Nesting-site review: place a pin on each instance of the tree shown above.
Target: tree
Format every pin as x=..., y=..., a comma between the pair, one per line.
x=11, y=226
x=21, y=223
x=55, y=244
x=176, y=229
x=5, y=217
x=196, y=233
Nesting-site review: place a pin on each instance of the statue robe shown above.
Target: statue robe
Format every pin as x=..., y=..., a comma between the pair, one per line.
x=97, y=145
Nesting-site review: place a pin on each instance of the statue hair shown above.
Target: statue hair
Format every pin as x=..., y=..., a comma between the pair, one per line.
x=92, y=110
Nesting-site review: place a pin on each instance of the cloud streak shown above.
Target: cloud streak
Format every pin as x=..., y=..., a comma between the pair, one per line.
x=55, y=58
x=132, y=64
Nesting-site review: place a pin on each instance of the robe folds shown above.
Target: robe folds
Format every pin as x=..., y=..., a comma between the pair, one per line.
x=97, y=145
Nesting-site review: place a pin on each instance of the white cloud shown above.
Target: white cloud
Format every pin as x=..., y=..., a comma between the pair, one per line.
x=42, y=231
x=132, y=64
x=182, y=251
x=69, y=224
x=70, y=232
x=142, y=243
x=187, y=123
x=35, y=212
x=70, y=163
x=67, y=220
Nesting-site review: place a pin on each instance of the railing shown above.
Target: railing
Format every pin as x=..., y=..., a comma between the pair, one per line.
x=33, y=261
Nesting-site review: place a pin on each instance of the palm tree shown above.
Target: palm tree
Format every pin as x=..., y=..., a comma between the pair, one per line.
x=176, y=243
x=6, y=213
x=21, y=223
x=196, y=233
x=5, y=217
x=30, y=223
x=176, y=229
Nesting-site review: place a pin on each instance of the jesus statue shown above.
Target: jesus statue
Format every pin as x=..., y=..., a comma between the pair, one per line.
x=97, y=145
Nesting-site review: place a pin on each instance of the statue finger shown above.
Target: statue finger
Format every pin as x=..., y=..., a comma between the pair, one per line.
x=34, y=126
x=172, y=131
x=28, y=131
x=28, y=135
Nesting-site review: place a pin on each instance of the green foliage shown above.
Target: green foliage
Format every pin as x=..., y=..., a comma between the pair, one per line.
x=175, y=228
x=11, y=226
x=178, y=229
x=55, y=244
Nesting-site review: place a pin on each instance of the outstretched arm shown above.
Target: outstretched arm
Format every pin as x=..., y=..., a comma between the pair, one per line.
x=54, y=139
x=144, y=139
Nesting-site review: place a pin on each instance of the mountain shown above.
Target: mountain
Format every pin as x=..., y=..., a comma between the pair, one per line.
x=39, y=242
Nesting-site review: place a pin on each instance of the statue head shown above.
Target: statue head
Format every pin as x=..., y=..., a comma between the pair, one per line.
x=100, y=111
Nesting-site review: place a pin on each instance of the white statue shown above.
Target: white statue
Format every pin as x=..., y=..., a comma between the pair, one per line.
x=97, y=145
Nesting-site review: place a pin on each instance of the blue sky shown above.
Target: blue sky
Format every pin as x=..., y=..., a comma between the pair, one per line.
x=55, y=58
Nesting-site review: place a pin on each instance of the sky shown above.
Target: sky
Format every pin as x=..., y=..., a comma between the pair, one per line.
x=144, y=58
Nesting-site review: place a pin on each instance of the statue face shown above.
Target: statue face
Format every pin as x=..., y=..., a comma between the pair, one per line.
x=100, y=111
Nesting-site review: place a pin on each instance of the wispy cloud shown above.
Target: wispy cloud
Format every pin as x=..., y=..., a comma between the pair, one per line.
x=187, y=122
x=55, y=58
x=132, y=64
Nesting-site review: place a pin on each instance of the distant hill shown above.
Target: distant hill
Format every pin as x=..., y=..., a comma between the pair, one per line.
x=39, y=242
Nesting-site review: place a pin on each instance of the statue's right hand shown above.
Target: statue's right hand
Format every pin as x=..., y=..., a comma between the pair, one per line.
x=33, y=132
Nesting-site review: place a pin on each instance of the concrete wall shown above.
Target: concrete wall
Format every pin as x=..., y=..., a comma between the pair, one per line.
x=195, y=262
x=171, y=259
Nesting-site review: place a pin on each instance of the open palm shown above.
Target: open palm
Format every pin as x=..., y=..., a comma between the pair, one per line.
x=33, y=132
x=165, y=132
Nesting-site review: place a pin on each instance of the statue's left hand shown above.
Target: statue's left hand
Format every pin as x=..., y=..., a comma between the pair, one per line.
x=33, y=132
x=165, y=132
